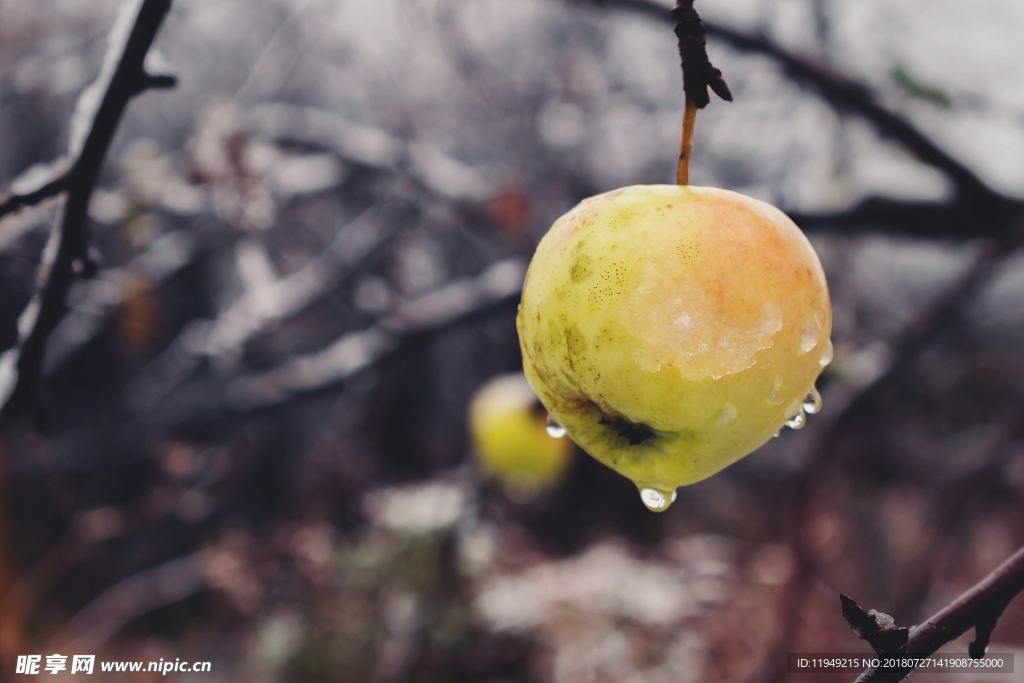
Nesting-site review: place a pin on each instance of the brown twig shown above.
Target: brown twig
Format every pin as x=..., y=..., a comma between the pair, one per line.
x=66, y=255
x=699, y=75
x=979, y=608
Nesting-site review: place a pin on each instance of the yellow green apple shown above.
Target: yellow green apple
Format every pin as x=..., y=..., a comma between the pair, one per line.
x=510, y=438
x=672, y=330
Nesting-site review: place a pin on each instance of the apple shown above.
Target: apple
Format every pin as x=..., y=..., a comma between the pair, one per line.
x=511, y=440
x=672, y=330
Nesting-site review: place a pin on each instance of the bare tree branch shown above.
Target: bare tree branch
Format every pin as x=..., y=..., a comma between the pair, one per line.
x=452, y=304
x=16, y=200
x=839, y=89
x=133, y=597
x=167, y=256
x=943, y=312
x=223, y=339
x=979, y=608
x=426, y=165
x=878, y=629
x=66, y=254
x=945, y=219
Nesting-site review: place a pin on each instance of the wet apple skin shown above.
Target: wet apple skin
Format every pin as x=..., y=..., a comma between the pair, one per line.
x=672, y=330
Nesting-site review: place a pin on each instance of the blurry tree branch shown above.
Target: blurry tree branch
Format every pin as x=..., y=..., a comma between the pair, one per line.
x=979, y=608
x=132, y=598
x=66, y=255
x=49, y=187
x=103, y=295
x=429, y=167
x=945, y=219
x=942, y=313
x=848, y=94
x=957, y=489
x=223, y=339
x=451, y=305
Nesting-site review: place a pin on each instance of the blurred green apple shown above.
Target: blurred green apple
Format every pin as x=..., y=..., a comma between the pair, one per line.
x=510, y=438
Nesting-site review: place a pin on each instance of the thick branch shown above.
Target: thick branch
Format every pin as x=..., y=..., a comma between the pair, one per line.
x=979, y=608
x=66, y=254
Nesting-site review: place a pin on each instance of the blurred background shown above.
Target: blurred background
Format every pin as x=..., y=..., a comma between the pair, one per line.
x=253, y=446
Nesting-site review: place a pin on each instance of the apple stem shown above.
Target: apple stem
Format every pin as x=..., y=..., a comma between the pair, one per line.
x=699, y=75
x=686, y=142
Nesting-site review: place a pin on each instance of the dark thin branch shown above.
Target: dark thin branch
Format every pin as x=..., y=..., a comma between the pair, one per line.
x=14, y=202
x=67, y=252
x=878, y=629
x=941, y=315
x=979, y=608
x=942, y=219
x=847, y=93
x=841, y=90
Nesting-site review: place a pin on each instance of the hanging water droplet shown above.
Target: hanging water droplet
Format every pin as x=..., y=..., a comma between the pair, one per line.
x=776, y=435
x=826, y=354
x=657, y=500
x=775, y=395
x=812, y=402
x=555, y=430
x=797, y=421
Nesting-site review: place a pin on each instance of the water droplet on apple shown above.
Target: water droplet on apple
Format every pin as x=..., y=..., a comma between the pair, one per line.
x=657, y=500
x=812, y=402
x=797, y=421
x=775, y=395
x=826, y=354
x=555, y=430
x=776, y=435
